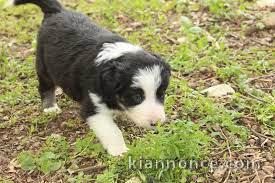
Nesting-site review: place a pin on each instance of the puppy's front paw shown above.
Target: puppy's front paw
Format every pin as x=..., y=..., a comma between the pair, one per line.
x=117, y=150
x=54, y=109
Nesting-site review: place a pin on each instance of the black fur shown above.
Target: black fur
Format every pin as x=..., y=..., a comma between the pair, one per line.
x=47, y=6
x=68, y=43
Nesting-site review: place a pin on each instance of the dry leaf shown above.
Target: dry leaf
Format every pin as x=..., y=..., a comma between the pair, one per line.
x=12, y=165
x=218, y=174
x=269, y=20
x=219, y=90
x=181, y=40
x=263, y=4
x=134, y=180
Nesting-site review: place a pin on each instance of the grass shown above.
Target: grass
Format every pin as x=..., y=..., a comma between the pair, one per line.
x=197, y=123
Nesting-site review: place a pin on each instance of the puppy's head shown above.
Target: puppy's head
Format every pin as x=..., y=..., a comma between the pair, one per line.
x=136, y=82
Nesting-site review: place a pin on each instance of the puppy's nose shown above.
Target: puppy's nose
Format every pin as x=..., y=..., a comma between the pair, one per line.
x=156, y=115
x=153, y=123
x=157, y=120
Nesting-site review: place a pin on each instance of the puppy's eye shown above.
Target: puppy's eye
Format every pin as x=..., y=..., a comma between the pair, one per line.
x=137, y=98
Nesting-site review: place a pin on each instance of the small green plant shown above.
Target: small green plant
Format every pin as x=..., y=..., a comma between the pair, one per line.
x=81, y=178
x=27, y=161
x=49, y=159
x=106, y=177
x=182, y=140
x=225, y=73
x=219, y=7
x=57, y=145
x=48, y=162
x=85, y=146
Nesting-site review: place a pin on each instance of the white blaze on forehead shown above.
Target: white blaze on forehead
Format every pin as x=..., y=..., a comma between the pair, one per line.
x=149, y=79
x=111, y=51
x=150, y=110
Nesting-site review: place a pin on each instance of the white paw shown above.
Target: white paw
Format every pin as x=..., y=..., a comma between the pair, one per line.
x=117, y=150
x=54, y=109
x=58, y=91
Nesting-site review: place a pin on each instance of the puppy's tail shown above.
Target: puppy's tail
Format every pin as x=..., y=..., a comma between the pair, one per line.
x=47, y=6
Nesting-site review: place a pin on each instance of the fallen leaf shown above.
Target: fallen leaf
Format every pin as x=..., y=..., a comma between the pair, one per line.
x=218, y=174
x=12, y=165
x=136, y=24
x=134, y=180
x=72, y=169
x=268, y=169
x=264, y=4
x=219, y=90
x=181, y=40
x=269, y=20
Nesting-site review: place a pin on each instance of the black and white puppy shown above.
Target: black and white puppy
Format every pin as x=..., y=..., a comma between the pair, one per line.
x=100, y=70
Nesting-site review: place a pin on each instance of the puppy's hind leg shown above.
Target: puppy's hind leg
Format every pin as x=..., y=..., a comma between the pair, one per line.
x=47, y=94
x=46, y=87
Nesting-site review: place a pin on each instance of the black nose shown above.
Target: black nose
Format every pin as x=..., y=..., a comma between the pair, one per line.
x=153, y=124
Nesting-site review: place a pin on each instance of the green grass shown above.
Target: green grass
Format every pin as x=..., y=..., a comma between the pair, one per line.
x=195, y=120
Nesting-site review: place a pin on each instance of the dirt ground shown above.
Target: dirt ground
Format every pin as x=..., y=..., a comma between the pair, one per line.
x=19, y=131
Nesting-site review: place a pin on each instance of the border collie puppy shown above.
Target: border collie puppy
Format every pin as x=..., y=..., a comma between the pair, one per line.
x=98, y=69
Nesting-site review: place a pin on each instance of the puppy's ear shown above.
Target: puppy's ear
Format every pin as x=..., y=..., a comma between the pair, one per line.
x=110, y=78
x=156, y=55
x=166, y=66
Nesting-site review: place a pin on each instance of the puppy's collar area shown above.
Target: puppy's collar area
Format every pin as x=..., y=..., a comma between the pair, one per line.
x=110, y=51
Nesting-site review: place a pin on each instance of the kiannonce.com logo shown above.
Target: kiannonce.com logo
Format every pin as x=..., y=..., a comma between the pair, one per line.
x=243, y=164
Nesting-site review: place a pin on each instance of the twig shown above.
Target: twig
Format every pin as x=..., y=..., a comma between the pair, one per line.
x=259, y=77
x=261, y=100
x=90, y=168
x=254, y=147
x=268, y=89
x=227, y=143
x=264, y=142
x=257, y=175
x=228, y=175
x=230, y=155
x=263, y=44
x=219, y=152
x=247, y=177
x=267, y=176
x=247, y=97
x=207, y=79
x=262, y=135
x=78, y=154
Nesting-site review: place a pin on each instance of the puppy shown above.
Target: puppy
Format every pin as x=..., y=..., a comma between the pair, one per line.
x=98, y=69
